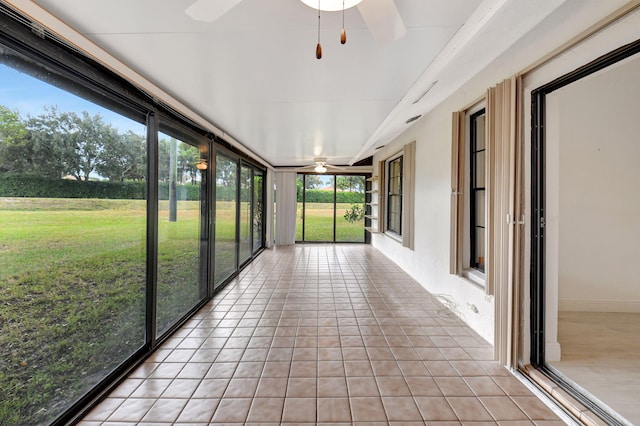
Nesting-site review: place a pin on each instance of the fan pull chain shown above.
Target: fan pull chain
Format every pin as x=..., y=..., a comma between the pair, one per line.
x=343, y=34
x=318, y=47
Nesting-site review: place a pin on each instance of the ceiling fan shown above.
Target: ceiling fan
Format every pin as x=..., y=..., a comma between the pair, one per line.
x=321, y=165
x=381, y=16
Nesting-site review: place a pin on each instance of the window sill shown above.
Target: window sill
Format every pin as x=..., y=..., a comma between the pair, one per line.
x=393, y=236
x=475, y=276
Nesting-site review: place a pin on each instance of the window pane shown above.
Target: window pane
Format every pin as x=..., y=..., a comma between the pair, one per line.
x=478, y=261
x=480, y=208
x=394, y=198
x=479, y=169
x=225, y=245
x=245, y=213
x=480, y=131
x=180, y=198
x=299, y=211
x=73, y=233
x=318, y=219
x=257, y=209
x=350, y=198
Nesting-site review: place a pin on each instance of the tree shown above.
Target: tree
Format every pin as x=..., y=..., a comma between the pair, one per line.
x=49, y=149
x=13, y=136
x=350, y=183
x=226, y=172
x=90, y=135
x=188, y=157
x=312, y=181
x=123, y=158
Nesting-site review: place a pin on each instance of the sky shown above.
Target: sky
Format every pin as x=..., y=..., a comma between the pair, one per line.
x=29, y=96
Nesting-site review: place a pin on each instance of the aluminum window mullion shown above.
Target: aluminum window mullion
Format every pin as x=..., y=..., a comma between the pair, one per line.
x=152, y=230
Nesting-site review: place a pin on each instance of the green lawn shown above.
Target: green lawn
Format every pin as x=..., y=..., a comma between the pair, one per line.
x=72, y=295
x=319, y=223
x=72, y=289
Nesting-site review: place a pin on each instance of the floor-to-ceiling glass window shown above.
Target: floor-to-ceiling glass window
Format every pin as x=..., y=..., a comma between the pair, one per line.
x=319, y=207
x=350, y=199
x=330, y=208
x=103, y=249
x=181, y=195
x=300, y=206
x=245, y=229
x=225, y=224
x=72, y=240
x=258, y=206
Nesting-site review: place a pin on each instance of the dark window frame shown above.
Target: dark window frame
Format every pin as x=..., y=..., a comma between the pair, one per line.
x=474, y=190
x=391, y=227
x=538, y=199
x=304, y=204
x=42, y=53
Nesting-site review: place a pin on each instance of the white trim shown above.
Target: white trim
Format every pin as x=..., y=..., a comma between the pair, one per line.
x=475, y=276
x=552, y=351
x=571, y=305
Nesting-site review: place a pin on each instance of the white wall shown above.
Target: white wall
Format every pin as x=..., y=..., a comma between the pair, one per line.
x=598, y=144
x=429, y=262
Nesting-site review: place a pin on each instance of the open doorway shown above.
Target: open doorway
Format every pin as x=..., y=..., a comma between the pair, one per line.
x=586, y=205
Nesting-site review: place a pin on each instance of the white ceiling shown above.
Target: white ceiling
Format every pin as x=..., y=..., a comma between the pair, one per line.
x=253, y=73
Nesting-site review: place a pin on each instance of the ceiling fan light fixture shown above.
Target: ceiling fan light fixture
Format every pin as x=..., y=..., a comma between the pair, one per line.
x=320, y=169
x=331, y=5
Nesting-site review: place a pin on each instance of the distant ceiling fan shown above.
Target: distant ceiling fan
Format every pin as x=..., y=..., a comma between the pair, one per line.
x=321, y=165
x=381, y=16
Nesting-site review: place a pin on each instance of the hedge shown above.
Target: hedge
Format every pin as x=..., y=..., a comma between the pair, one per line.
x=321, y=196
x=38, y=187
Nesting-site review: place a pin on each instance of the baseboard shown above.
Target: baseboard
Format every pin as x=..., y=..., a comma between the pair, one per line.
x=568, y=305
x=552, y=351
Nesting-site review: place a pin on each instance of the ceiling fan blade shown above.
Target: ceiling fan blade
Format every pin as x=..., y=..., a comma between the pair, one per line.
x=329, y=166
x=383, y=19
x=210, y=10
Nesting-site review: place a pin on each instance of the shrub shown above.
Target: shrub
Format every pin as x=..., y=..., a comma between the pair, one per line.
x=39, y=187
x=354, y=213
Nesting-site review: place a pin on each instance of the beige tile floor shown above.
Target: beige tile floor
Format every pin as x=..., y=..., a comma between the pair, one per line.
x=323, y=334
x=601, y=353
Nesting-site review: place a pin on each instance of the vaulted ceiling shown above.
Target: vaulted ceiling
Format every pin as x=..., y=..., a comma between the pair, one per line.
x=253, y=74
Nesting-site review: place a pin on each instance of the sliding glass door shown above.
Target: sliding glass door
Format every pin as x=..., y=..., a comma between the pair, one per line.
x=245, y=239
x=181, y=252
x=73, y=232
x=330, y=208
x=226, y=208
x=238, y=226
x=258, y=206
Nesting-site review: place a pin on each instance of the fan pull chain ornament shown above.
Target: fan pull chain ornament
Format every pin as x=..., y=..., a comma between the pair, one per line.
x=343, y=33
x=318, y=47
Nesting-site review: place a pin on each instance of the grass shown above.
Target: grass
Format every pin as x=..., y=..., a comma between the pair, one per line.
x=72, y=295
x=319, y=223
x=72, y=289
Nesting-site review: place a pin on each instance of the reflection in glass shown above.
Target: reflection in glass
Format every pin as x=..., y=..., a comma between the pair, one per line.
x=225, y=232
x=73, y=244
x=180, y=196
x=257, y=209
x=245, y=213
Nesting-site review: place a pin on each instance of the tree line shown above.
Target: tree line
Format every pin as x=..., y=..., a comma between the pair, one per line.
x=57, y=144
